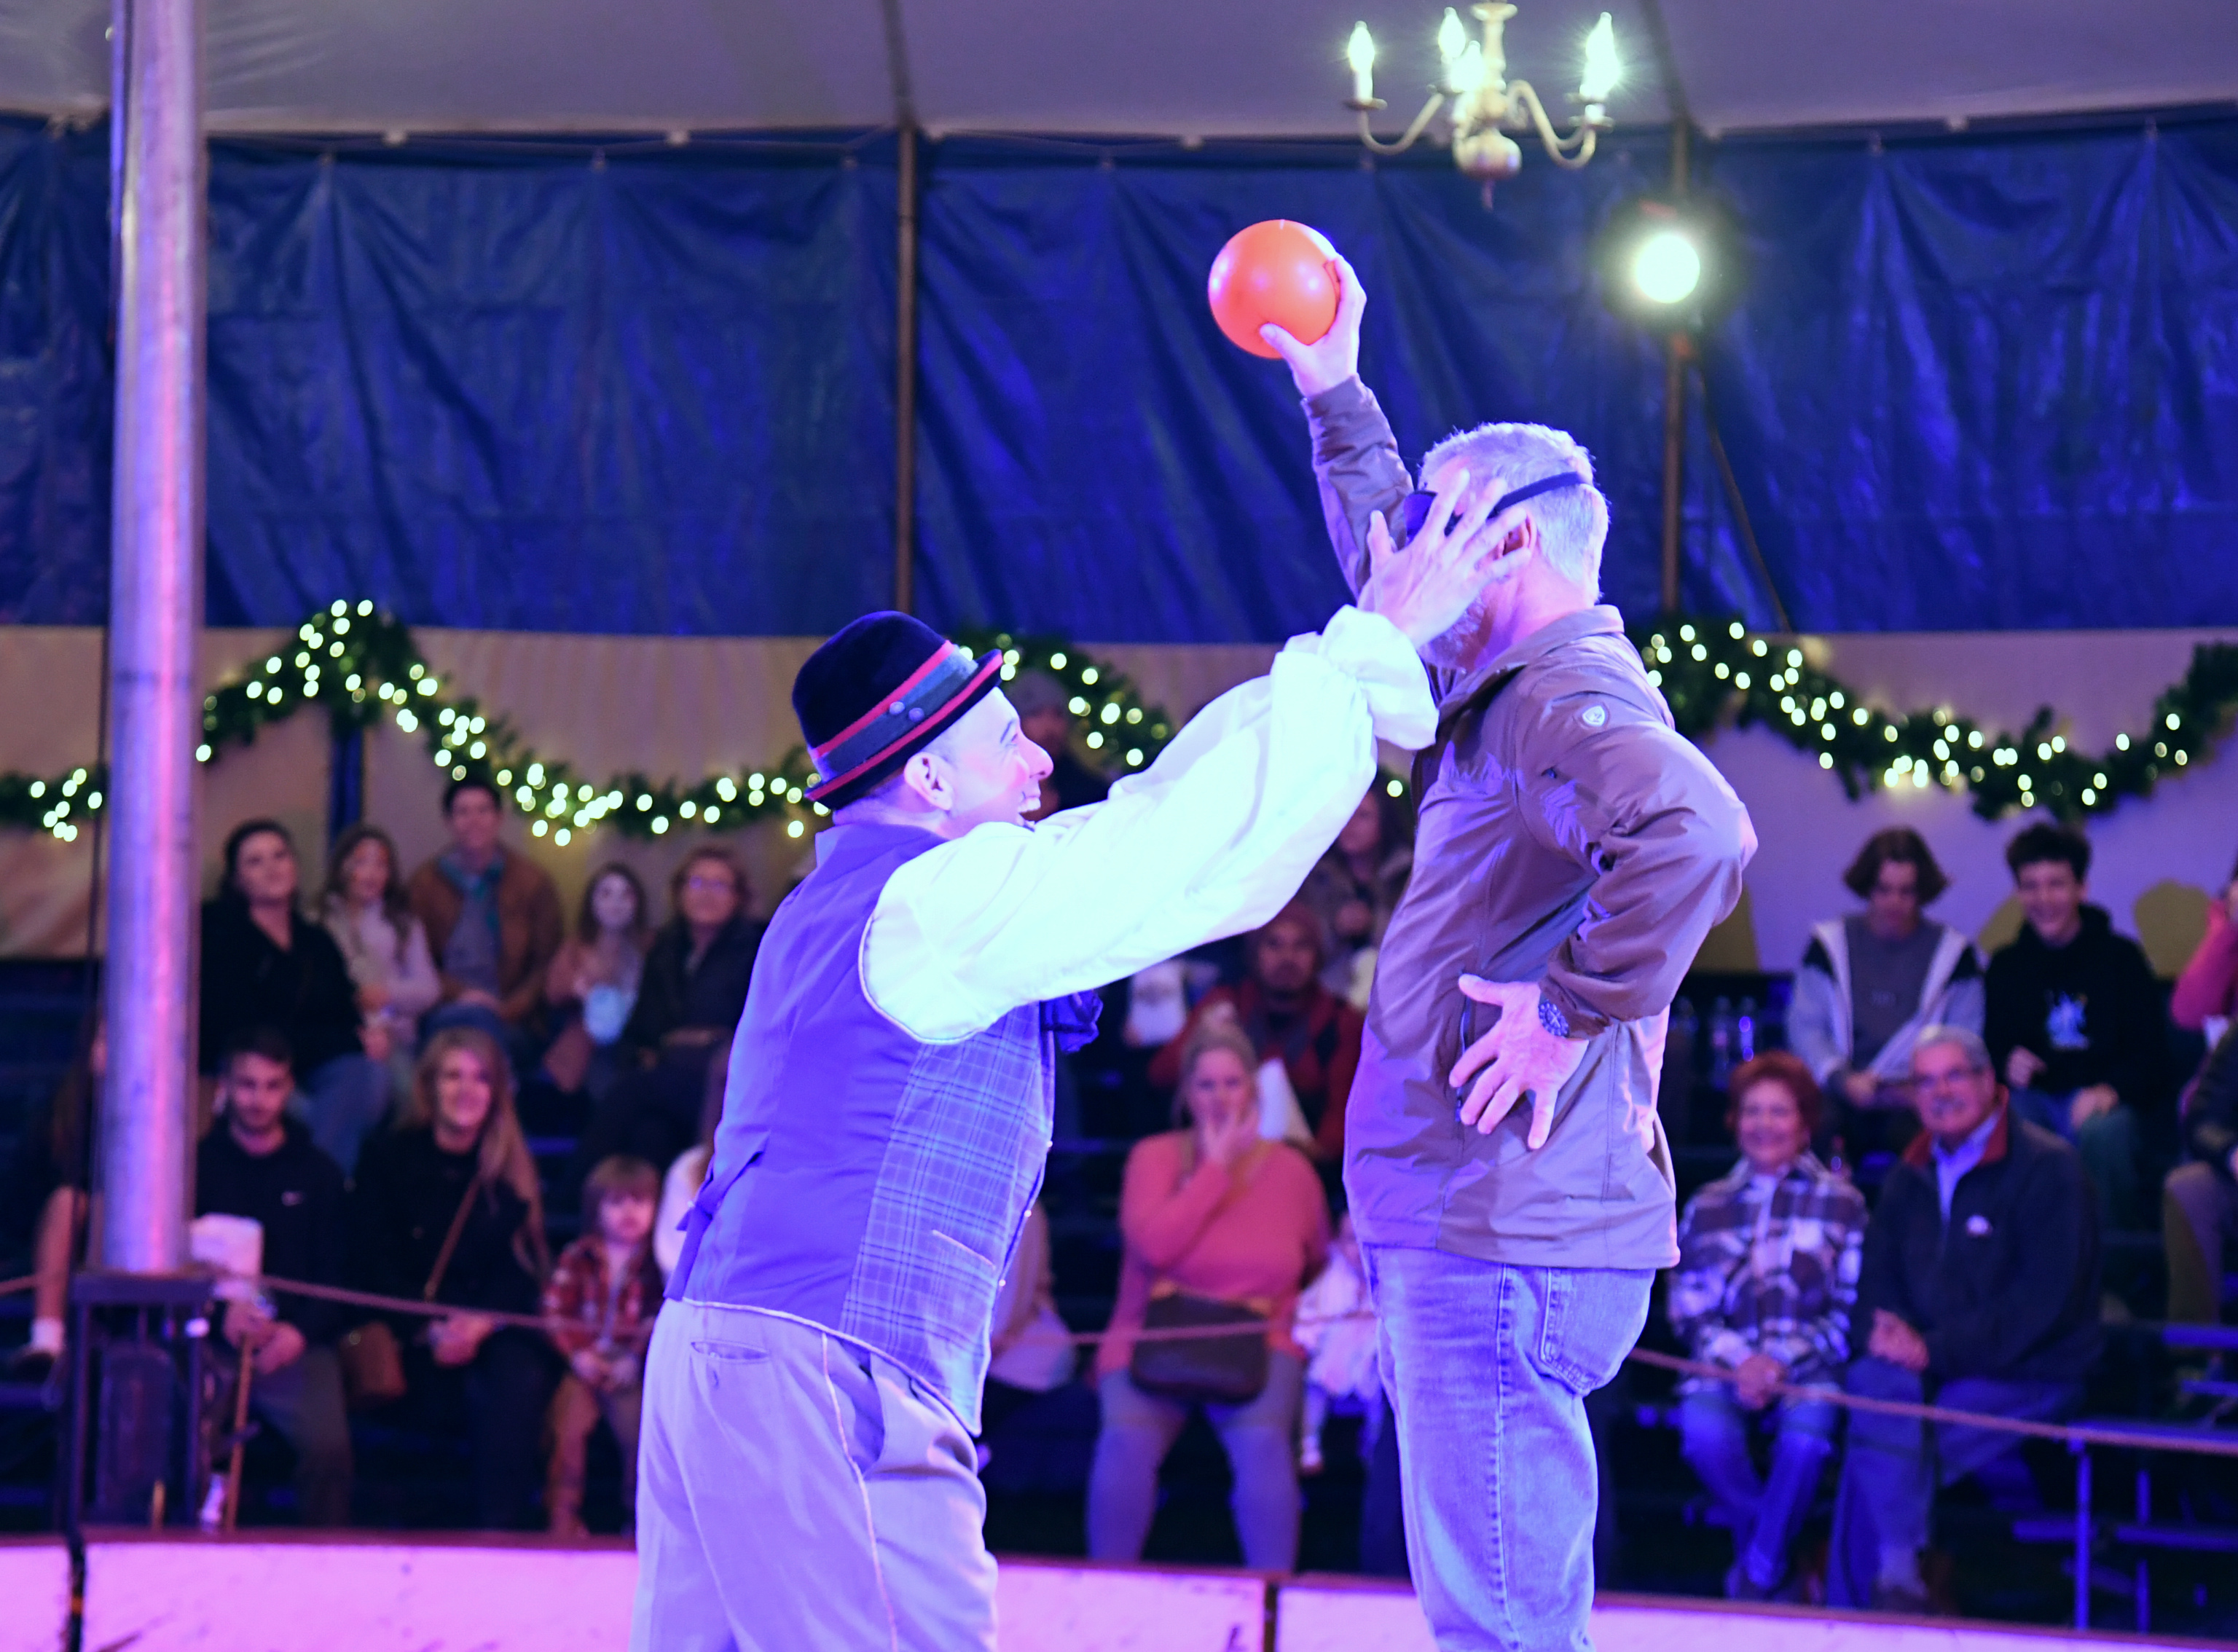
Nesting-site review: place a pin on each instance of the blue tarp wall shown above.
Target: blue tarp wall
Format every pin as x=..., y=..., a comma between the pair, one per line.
x=1980, y=382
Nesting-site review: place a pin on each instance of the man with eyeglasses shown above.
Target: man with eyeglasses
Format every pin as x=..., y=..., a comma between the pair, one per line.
x=1573, y=853
x=1978, y=1291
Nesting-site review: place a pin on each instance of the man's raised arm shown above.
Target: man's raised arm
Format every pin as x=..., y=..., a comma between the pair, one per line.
x=1356, y=463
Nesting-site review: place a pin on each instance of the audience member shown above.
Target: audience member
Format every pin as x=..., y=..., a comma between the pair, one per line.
x=1979, y=1292
x=602, y=1298
x=1212, y=1211
x=1291, y=1018
x=1356, y=887
x=1335, y=1327
x=2074, y=1018
x=1869, y=981
x=383, y=943
x=265, y=964
x=694, y=989
x=258, y=1163
x=446, y=1210
x=1768, y=1258
x=48, y=1177
x=1046, y=717
x=680, y=1182
x=1030, y=1350
x=2207, y=991
x=493, y=920
x=592, y=987
x=2199, y=1204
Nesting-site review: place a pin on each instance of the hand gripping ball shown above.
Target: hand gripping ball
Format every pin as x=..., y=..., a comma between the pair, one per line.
x=1276, y=271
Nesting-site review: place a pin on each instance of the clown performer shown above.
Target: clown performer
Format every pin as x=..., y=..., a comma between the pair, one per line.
x=806, y=1472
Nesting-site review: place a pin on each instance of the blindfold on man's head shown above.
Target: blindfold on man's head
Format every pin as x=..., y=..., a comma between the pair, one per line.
x=1414, y=509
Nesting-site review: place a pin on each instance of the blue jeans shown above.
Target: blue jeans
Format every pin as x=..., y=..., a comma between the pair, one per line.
x=1714, y=1430
x=1894, y=1464
x=2107, y=1145
x=342, y=1101
x=1489, y=1366
x=1260, y=1437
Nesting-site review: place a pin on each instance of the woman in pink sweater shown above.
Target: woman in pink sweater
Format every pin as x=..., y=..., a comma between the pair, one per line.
x=1216, y=1211
x=2206, y=989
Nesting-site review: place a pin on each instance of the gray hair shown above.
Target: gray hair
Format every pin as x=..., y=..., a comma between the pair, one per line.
x=1572, y=521
x=1967, y=1043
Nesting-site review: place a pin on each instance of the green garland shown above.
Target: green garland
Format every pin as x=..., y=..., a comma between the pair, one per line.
x=1120, y=726
x=359, y=665
x=1705, y=667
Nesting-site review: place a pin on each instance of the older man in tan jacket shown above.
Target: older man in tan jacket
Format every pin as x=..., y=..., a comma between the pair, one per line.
x=1573, y=852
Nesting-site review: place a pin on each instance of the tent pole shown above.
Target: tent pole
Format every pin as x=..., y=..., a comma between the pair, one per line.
x=905, y=374
x=155, y=624
x=1677, y=348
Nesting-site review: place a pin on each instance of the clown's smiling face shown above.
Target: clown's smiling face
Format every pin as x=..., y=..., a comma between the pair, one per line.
x=983, y=769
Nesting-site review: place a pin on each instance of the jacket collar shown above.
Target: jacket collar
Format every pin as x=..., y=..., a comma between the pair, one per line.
x=1921, y=1155
x=1600, y=620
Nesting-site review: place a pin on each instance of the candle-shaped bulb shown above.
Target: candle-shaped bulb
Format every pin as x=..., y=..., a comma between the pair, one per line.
x=1467, y=74
x=1602, y=69
x=1360, y=52
x=1453, y=38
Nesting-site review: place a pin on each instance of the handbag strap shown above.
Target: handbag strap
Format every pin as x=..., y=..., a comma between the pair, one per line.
x=451, y=1240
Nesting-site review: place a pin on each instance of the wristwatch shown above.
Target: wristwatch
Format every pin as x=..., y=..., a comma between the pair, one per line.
x=1552, y=1018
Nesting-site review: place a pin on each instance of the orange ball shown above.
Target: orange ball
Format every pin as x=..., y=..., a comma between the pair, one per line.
x=1276, y=271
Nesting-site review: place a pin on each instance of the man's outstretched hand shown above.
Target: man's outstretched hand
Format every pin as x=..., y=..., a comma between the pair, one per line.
x=1334, y=356
x=1518, y=1057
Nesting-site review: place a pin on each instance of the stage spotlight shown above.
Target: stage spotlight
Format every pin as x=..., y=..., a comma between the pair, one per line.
x=1672, y=265
x=1666, y=269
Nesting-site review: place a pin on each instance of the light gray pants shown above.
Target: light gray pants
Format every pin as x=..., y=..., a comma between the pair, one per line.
x=795, y=1491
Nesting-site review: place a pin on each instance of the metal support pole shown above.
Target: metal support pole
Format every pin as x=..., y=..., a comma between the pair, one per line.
x=1674, y=462
x=1676, y=350
x=905, y=377
x=155, y=625
x=2083, y=1533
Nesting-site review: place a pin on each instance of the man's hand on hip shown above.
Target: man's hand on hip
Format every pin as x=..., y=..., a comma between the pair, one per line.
x=1334, y=356
x=1519, y=1057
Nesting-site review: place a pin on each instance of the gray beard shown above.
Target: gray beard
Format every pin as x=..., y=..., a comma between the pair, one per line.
x=1454, y=648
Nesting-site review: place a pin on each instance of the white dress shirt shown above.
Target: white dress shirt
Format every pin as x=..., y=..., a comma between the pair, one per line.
x=1211, y=839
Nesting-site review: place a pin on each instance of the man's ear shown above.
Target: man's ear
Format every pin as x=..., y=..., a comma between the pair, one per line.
x=927, y=780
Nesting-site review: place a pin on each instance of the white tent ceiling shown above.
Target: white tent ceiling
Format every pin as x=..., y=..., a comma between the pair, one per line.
x=1206, y=67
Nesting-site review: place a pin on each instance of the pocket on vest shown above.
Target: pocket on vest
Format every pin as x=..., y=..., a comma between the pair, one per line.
x=958, y=1277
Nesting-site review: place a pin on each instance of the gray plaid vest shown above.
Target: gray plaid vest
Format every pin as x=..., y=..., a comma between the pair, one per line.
x=865, y=1181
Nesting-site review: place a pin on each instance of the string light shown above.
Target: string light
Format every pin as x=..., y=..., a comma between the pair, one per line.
x=1701, y=680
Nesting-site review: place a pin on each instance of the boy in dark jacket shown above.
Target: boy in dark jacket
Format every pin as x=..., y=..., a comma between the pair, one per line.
x=2074, y=1017
x=258, y=1163
x=1979, y=1291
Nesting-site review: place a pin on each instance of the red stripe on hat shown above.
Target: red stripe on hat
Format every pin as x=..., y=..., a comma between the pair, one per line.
x=823, y=788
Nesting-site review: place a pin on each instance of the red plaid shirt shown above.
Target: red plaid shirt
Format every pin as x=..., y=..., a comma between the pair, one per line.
x=585, y=1309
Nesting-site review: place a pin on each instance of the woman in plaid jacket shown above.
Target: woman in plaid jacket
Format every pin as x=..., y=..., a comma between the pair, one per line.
x=1767, y=1275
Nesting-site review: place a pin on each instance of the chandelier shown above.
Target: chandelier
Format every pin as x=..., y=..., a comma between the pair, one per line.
x=1487, y=105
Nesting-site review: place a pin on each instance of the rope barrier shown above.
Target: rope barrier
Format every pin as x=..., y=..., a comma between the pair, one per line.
x=2201, y=1444
x=2070, y=1433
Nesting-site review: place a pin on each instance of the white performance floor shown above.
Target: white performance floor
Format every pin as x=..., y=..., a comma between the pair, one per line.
x=266, y=1594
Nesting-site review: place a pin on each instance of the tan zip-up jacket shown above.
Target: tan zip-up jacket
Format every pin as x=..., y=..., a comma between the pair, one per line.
x=1568, y=836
